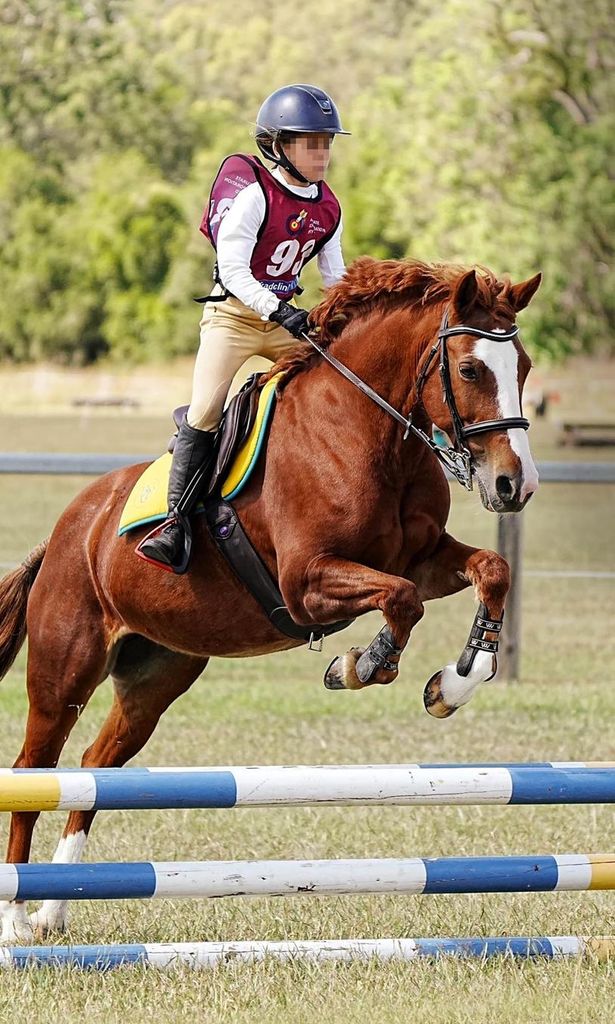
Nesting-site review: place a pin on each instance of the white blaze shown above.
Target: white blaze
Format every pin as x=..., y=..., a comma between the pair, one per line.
x=501, y=357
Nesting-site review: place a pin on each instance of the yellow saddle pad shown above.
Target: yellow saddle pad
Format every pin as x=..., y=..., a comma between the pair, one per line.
x=147, y=502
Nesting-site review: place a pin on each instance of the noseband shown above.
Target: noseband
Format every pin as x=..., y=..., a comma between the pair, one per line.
x=456, y=458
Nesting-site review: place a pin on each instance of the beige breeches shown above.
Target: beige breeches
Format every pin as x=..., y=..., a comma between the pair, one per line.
x=230, y=334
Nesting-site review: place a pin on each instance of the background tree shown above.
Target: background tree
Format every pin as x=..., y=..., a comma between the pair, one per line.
x=482, y=132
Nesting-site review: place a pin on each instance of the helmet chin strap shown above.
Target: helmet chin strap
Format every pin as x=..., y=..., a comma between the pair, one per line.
x=283, y=161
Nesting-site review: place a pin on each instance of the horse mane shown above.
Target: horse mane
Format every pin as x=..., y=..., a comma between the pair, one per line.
x=370, y=284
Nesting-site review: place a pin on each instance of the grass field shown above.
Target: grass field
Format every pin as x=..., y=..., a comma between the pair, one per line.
x=275, y=710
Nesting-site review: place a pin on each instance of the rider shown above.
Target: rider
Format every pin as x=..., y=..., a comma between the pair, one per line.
x=265, y=225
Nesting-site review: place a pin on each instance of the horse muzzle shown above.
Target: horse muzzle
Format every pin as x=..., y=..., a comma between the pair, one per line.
x=503, y=491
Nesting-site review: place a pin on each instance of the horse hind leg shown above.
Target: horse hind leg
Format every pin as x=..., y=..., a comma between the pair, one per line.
x=63, y=672
x=147, y=679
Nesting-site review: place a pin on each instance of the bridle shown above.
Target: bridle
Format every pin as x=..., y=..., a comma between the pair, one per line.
x=456, y=458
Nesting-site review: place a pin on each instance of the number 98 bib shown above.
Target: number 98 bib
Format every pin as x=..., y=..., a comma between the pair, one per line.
x=293, y=231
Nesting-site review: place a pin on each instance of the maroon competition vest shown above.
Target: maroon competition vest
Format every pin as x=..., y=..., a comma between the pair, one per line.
x=294, y=228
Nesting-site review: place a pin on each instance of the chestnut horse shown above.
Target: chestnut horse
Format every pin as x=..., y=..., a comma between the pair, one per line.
x=346, y=511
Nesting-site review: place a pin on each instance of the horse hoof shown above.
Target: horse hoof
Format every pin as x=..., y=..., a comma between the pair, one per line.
x=43, y=924
x=333, y=675
x=341, y=674
x=434, y=701
x=15, y=926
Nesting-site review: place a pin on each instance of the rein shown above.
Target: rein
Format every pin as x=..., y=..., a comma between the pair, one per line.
x=456, y=458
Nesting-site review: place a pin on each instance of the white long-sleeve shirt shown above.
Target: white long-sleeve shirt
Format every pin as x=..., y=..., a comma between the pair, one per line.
x=237, y=237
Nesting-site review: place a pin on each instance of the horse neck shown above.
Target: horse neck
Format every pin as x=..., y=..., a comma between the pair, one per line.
x=387, y=353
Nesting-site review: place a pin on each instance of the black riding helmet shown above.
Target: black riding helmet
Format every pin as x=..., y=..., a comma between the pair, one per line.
x=294, y=108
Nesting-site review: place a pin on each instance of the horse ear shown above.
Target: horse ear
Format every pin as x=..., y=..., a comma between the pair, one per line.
x=465, y=294
x=521, y=294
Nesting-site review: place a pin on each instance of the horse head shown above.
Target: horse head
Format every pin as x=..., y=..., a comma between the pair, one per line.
x=381, y=321
x=477, y=398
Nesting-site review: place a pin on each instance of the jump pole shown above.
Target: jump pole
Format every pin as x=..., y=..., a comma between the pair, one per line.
x=198, y=955
x=214, y=879
x=148, y=788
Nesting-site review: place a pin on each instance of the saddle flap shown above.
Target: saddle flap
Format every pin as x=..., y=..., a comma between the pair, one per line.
x=179, y=415
x=235, y=427
x=241, y=437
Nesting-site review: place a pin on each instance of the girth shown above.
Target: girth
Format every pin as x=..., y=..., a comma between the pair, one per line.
x=233, y=543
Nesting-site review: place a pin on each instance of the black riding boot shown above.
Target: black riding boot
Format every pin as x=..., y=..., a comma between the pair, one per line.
x=169, y=545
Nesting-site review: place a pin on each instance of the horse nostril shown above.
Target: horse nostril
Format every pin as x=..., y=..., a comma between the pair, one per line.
x=505, y=488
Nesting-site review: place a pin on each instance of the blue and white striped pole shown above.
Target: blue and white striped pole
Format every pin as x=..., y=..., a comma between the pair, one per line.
x=215, y=879
x=207, y=954
x=146, y=788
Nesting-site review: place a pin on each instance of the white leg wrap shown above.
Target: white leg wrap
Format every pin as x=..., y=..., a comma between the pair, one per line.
x=15, y=924
x=456, y=690
x=52, y=914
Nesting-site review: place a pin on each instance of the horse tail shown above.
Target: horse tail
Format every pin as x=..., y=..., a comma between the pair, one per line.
x=14, y=590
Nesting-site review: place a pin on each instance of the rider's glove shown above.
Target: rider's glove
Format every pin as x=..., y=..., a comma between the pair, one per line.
x=292, y=319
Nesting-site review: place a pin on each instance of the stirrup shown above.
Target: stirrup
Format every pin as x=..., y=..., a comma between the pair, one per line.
x=179, y=568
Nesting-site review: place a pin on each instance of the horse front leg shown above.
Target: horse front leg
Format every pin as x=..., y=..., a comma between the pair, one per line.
x=339, y=589
x=453, y=567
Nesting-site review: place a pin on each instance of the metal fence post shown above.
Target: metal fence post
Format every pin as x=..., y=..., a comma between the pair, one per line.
x=510, y=541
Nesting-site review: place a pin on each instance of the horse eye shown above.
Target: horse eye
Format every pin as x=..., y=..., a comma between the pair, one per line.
x=468, y=372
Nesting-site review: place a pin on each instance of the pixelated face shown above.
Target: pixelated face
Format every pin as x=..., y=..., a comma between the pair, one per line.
x=310, y=153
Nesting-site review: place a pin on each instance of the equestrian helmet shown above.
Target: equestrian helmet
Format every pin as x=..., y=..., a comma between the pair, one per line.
x=300, y=109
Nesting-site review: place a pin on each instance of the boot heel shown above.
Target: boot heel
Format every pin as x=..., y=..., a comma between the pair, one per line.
x=180, y=564
x=192, y=457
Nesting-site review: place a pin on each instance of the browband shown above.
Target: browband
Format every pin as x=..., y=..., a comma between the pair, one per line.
x=450, y=332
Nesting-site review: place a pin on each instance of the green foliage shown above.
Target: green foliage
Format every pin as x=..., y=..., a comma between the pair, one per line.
x=482, y=132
